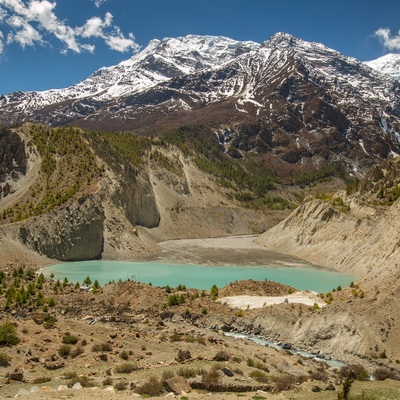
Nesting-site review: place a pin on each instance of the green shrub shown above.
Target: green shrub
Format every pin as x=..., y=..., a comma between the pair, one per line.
x=121, y=385
x=64, y=351
x=175, y=299
x=212, y=376
x=70, y=375
x=69, y=339
x=259, y=376
x=187, y=372
x=125, y=368
x=214, y=292
x=152, y=387
x=83, y=380
x=107, y=381
x=102, y=347
x=167, y=375
x=222, y=356
x=8, y=334
x=41, y=379
x=49, y=321
x=4, y=360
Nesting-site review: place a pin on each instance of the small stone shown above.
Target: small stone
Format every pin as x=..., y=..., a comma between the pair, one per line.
x=227, y=371
x=62, y=388
x=17, y=376
x=77, y=386
x=330, y=387
x=183, y=355
x=316, y=389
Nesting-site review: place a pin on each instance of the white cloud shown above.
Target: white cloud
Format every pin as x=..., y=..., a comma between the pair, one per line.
x=24, y=33
x=389, y=41
x=1, y=43
x=35, y=21
x=98, y=3
x=94, y=27
x=3, y=15
x=120, y=43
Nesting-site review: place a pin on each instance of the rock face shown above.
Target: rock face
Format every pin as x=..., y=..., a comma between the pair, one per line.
x=135, y=196
x=360, y=240
x=13, y=160
x=69, y=234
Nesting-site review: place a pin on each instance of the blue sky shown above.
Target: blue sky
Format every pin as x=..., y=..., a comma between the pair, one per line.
x=48, y=44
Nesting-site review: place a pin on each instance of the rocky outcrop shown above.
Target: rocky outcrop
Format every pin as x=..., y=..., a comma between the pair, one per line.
x=71, y=233
x=13, y=160
x=361, y=240
x=135, y=196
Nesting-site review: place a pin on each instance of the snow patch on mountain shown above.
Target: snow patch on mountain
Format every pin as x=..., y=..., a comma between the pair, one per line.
x=159, y=62
x=388, y=64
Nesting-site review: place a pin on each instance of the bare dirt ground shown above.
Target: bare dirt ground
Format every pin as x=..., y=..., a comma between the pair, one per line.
x=230, y=250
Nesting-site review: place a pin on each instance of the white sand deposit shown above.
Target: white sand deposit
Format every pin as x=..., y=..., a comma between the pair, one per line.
x=304, y=297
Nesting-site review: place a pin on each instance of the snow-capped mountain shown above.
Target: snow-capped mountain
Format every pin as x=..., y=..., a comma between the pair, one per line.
x=388, y=64
x=300, y=102
x=160, y=61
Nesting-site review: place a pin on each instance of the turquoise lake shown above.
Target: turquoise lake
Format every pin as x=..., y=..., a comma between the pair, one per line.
x=197, y=276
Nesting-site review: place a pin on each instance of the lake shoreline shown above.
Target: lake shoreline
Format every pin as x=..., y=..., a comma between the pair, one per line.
x=201, y=263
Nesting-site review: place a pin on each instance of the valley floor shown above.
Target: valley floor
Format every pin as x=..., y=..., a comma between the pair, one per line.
x=229, y=250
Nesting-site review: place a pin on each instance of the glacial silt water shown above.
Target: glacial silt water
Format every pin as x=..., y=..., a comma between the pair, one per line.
x=197, y=276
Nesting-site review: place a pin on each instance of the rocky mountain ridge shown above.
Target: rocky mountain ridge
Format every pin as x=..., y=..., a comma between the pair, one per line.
x=302, y=104
x=159, y=62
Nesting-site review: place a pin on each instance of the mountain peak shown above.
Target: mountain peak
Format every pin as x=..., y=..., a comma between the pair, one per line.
x=282, y=39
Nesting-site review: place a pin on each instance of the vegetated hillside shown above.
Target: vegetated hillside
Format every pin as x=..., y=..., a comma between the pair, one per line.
x=358, y=234
x=69, y=194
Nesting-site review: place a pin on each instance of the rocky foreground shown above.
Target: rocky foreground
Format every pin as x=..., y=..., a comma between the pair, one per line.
x=129, y=339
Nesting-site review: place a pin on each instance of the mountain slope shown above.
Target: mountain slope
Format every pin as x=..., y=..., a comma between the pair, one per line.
x=359, y=235
x=300, y=104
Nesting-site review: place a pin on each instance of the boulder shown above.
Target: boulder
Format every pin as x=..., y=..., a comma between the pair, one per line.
x=178, y=384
